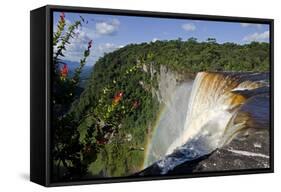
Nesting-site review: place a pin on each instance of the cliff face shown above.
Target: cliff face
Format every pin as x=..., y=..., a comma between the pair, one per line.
x=167, y=81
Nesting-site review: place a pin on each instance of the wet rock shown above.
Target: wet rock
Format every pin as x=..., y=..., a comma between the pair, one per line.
x=248, y=150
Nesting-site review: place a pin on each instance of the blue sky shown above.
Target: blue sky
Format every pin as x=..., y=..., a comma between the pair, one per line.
x=110, y=32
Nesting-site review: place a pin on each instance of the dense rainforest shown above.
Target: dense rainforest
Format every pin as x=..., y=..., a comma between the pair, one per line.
x=103, y=131
x=118, y=102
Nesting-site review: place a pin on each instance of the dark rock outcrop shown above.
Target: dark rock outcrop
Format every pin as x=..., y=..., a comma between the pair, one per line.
x=248, y=150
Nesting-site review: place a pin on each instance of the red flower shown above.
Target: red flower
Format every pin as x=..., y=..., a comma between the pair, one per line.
x=118, y=96
x=62, y=16
x=64, y=70
x=90, y=44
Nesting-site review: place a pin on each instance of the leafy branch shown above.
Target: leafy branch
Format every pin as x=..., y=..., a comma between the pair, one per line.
x=60, y=28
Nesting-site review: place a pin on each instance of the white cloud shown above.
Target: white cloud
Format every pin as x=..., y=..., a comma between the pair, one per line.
x=188, y=27
x=251, y=25
x=107, y=27
x=99, y=50
x=74, y=50
x=261, y=37
x=107, y=47
x=154, y=39
x=67, y=22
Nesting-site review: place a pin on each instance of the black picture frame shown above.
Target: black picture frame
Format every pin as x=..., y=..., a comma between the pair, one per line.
x=41, y=23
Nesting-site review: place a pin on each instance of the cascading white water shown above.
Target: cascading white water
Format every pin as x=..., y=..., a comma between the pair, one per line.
x=211, y=106
x=170, y=123
x=211, y=117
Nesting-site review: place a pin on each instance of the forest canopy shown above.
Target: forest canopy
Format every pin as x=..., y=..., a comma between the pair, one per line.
x=194, y=56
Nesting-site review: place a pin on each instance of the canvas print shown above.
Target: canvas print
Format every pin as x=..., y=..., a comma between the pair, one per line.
x=135, y=96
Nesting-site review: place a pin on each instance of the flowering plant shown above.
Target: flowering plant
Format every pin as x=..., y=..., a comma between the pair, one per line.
x=67, y=148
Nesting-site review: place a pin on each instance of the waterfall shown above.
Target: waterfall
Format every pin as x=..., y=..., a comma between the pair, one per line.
x=218, y=108
x=170, y=123
x=211, y=106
